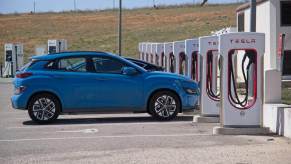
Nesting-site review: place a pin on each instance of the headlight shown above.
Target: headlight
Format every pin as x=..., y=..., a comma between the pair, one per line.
x=192, y=91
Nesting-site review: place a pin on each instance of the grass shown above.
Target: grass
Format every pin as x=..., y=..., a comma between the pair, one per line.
x=97, y=30
x=286, y=94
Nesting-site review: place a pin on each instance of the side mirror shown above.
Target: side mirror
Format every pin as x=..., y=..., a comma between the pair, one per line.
x=129, y=71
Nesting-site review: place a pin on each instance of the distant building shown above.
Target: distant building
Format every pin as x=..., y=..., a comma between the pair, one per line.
x=273, y=18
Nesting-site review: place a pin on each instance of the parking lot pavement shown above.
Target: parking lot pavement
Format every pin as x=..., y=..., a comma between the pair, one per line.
x=127, y=138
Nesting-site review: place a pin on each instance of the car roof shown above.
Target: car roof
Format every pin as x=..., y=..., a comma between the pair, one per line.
x=68, y=54
x=78, y=53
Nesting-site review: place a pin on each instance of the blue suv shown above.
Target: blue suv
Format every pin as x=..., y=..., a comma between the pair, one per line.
x=81, y=82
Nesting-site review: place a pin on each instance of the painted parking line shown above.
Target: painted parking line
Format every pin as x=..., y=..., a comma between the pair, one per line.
x=104, y=137
x=86, y=131
x=96, y=124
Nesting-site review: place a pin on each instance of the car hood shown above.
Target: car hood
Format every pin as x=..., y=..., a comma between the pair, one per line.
x=168, y=75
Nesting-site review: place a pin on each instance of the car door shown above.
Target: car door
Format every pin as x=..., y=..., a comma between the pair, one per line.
x=71, y=78
x=114, y=90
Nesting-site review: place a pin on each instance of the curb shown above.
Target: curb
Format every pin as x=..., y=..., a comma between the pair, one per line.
x=240, y=131
x=205, y=119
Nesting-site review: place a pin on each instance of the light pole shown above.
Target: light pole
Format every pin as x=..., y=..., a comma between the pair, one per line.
x=34, y=6
x=75, y=5
x=253, y=16
x=120, y=29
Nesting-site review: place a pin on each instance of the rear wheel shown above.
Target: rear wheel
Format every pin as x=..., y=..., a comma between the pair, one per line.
x=44, y=108
x=164, y=105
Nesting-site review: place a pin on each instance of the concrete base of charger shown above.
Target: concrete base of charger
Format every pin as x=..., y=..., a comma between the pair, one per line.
x=205, y=119
x=218, y=130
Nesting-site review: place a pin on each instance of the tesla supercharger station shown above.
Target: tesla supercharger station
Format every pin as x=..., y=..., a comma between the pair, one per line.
x=148, y=51
x=210, y=94
x=56, y=46
x=13, y=58
x=192, y=52
x=181, y=58
x=161, y=55
x=144, y=47
x=242, y=56
x=169, y=57
x=153, y=53
x=140, y=51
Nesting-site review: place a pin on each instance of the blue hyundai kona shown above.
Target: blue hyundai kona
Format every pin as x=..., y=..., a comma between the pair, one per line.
x=92, y=82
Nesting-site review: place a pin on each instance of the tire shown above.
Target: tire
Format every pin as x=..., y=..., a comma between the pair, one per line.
x=164, y=105
x=44, y=108
x=149, y=112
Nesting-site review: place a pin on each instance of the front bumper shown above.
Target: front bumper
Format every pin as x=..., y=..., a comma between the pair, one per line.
x=189, y=102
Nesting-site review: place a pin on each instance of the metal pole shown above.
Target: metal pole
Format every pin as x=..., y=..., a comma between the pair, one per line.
x=75, y=6
x=34, y=6
x=253, y=16
x=253, y=7
x=1, y=66
x=120, y=29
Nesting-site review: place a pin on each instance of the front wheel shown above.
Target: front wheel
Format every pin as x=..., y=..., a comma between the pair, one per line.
x=164, y=105
x=44, y=108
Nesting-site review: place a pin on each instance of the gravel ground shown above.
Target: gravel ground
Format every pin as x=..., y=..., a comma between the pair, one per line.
x=127, y=138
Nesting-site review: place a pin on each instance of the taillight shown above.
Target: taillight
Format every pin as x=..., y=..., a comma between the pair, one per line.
x=23, y=75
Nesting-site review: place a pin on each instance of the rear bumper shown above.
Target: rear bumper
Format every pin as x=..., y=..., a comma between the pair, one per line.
x=18, y=102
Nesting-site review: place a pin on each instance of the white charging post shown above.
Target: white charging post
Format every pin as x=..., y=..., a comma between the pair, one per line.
x=240, y=107
x=153, y=53
x=161, y=55
x=13, y=58
x=192, y=52
x=169, y=57
x=210, y=96
x=144, y=48
x=56, y=46
x=181, y=58
x=140, y=51
x=148, y=51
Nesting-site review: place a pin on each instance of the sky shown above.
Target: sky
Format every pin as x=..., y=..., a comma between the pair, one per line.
x=23, y=6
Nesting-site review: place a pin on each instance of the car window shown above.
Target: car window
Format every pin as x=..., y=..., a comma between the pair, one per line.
x=29, y=64
x=138, y=63
x=77, y=64
x=50, y=65
x=107, y=65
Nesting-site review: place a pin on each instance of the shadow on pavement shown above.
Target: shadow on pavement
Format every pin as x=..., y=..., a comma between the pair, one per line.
x=64, y=121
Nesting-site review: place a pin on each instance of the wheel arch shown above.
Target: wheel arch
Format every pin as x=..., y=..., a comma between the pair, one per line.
x=45, y=92
x=163, y=89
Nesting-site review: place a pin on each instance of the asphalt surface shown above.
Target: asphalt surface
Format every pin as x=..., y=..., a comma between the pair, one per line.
x=127, y=138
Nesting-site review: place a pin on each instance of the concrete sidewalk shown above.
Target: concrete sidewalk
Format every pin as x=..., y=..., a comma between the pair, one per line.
x=6, y=80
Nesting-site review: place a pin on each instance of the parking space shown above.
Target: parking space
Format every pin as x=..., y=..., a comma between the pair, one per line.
x=127, y=138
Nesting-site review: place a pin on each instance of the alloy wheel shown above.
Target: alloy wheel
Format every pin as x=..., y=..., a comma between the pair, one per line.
x=44, y=109
x=165, y=106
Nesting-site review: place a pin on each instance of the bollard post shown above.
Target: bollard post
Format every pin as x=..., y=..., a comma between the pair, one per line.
x=1, y=66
